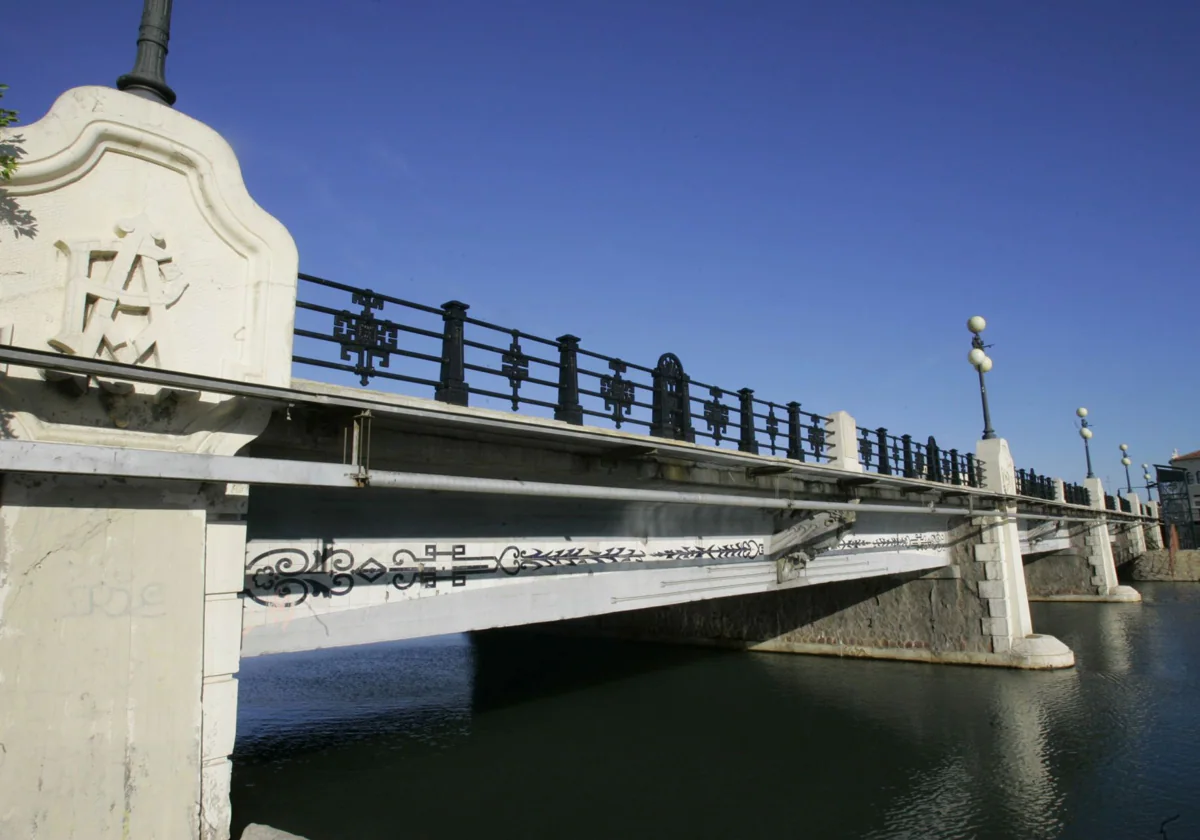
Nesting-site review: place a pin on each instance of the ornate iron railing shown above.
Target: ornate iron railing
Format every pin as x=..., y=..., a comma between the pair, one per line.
x=1109, y=502
x=886, y=454
x=1077, y=495
x=1125, y=505
x=557, y=376
x=1029, y=483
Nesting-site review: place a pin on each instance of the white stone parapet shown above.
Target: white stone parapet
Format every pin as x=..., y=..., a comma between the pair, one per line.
x=120, y=618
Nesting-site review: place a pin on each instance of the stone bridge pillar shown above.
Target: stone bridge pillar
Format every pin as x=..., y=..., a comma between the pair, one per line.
x=1131, y=536
x=1093, y=541
x=1003, y=587
x=133, y=240
x=1153, y=530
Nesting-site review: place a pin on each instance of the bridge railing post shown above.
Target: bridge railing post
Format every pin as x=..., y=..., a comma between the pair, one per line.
x=841, y=442
x=795, y=448
x=452, y=387
x=747, y=442
x=568, y=409
x=881, y=444
x=934, y=456
x=1060, y=490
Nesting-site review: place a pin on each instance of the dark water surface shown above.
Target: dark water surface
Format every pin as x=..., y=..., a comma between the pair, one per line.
x=522, y=736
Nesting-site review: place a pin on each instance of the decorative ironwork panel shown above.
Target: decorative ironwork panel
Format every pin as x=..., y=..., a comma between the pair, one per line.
x=672, y=407
x=617, y=392
x=716, y=415
x=364, y=338
x=514, y=364
x=819, y=438
x=772, y=427
x=864, y=447
x=1076, y=495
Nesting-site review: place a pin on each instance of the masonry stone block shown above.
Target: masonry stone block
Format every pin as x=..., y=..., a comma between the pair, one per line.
x=987, y=552
x=995, y=626
x=224, y=556
x=215, y=810
x=222, y=634
x=219, y=704
x=991, y=589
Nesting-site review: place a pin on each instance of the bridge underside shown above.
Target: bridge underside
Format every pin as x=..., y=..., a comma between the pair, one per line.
x=331, y=568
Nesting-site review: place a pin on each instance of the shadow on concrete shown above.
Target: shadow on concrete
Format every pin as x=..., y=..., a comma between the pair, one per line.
x=12, y=215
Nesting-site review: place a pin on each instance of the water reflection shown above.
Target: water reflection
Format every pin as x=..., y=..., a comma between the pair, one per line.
x=512, y=735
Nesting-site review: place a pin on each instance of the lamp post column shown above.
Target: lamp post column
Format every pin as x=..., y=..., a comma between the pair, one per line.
x=982, y=363
x=1085, y=432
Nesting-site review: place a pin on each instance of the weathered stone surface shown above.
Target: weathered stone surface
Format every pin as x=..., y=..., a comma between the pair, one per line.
x=1156, y=565
x=1058, y=573
x=254, y=831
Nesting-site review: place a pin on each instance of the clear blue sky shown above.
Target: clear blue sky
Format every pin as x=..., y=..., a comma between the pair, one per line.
x=808, y=199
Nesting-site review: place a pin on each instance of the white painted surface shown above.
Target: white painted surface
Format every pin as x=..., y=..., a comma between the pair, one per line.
x=382, y=615
x=149, y=251
x=118, y=599
x=101, y=648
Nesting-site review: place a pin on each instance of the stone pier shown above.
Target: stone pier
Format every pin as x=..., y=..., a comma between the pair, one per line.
x=974, y=611
x=120, y=613
x=1087, y=571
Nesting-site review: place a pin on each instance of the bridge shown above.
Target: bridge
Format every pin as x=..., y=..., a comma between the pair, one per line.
x=174, y=497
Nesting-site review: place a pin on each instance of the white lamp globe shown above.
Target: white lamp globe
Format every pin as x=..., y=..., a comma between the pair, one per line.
x=1086, y=434
x=976, y=356
x=1146, y=476
x=1082, y=412
x=976, y=324
x=1146, y=467
x=986, y=364
x=1124, y=447
x=1126, y=461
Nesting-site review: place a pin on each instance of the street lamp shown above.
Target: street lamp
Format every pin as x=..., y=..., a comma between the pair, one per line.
x=1126, y=462
x=148, y=79
x=1085, y=432
x=982, y=363
x=1150, y=483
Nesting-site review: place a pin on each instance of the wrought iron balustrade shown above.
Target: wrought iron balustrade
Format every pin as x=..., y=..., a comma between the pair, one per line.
x=1125, y=505
x=1029, y=483
x=1077, y=495
x=557, y=376
x=1109, y=502
x=887, y=454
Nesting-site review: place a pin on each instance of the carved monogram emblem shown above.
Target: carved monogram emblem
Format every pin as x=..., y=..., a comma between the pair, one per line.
x=119, y=295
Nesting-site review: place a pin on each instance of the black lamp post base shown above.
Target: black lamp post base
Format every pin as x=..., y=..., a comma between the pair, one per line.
x=146, y=87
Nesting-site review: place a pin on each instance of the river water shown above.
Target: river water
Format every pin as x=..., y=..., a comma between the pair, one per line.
x=514, y=735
